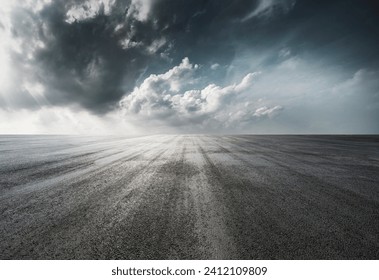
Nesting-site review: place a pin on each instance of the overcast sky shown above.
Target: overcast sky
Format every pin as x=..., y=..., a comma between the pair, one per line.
x=189, y=66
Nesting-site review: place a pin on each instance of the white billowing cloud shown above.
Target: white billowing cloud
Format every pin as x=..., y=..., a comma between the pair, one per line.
x=266, y=8
x=169, y=99
x=157, y=89
x=140, y=9
x=88, y=9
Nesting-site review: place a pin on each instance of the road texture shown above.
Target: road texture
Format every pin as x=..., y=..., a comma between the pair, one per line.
x=189, y=197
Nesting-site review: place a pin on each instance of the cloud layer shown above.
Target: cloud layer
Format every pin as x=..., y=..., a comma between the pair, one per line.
x=166, y=98
x=124, y=58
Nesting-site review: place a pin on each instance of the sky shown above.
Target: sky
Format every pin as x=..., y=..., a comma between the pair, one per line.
x=176, y=66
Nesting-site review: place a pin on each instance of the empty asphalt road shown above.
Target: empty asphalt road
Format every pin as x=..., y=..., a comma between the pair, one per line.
x=189, y=197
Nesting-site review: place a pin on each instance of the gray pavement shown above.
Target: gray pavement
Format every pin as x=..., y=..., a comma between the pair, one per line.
x=189, y=197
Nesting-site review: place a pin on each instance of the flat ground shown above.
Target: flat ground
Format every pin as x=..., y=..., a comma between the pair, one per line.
x=189, y=197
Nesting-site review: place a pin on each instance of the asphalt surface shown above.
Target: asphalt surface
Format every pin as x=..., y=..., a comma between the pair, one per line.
x=189, y=197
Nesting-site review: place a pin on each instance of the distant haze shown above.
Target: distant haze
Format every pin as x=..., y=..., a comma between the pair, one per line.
x=178, y=66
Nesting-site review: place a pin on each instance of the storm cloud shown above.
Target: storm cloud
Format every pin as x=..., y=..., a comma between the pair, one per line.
x=234, y=66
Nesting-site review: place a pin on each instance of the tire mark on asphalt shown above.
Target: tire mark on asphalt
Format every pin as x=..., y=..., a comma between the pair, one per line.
x=74, y=215
x=211, y=224
x=164, y=215
x=315, y=206
x=48, y=183
x=246, y=218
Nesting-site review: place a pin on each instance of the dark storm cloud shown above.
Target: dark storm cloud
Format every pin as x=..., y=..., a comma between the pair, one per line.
x=95, y=60
x=83, y=61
